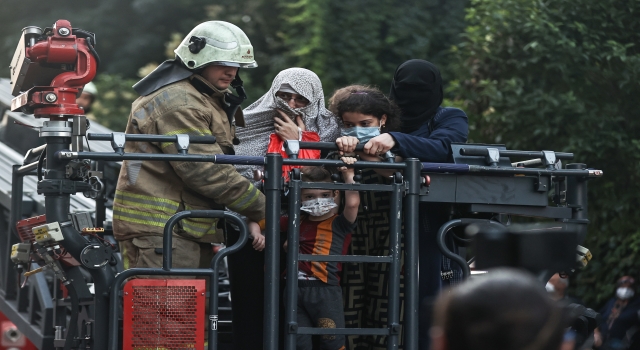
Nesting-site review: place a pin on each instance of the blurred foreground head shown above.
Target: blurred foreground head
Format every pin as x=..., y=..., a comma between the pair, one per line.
x=506, y=309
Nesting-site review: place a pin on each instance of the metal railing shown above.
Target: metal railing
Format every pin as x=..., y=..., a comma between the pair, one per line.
x=405, y=193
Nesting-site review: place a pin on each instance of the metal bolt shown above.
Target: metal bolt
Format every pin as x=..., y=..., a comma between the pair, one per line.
x=63, y=31
x=51, y=97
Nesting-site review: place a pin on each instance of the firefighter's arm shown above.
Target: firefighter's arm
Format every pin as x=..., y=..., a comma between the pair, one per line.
x=220, y=182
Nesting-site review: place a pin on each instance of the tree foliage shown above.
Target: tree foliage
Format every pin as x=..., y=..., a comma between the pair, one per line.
x=563, y=75
x=533, y=74
x=361, y=41
x=344, y=42
x=112, y=108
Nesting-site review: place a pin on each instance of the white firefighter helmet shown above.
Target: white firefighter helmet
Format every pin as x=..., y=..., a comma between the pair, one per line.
x=216, y=42
x=90, y=88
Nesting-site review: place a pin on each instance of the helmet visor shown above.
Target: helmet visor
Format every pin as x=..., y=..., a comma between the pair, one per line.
x=235, y=64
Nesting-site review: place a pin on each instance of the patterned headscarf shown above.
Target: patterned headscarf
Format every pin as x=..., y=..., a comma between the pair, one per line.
x=259, y=115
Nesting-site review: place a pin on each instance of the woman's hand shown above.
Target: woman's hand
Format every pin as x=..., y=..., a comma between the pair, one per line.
x=379, y=145
x=347, y=173
x=347, y=144
x=286, y=128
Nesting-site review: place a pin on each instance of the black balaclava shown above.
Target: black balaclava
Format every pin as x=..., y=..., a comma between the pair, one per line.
x=417, y=89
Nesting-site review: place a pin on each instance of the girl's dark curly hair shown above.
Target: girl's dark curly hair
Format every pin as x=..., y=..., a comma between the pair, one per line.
x=366, y=100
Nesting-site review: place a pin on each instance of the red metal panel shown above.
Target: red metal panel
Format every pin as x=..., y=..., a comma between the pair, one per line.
x=163, y=314
x=24, y=227
x=11, y=337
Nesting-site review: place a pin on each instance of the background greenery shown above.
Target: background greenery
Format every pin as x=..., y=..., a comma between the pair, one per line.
x=555, y=74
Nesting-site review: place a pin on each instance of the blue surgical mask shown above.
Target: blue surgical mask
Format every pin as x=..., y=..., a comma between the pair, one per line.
x=363, y=134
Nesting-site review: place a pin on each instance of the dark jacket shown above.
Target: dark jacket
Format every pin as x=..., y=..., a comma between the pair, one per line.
x=432, y=141
x=629, y=317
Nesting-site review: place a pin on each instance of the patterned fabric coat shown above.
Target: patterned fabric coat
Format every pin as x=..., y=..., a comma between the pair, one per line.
x=366, y=286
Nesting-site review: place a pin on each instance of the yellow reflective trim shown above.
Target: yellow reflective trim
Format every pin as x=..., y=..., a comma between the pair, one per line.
x=246, y=199
x=137, y=221
x=148, y=199
x=189, y=131
x=147, y=206
x=140, y=217
x=143, y=213
x=125, y=258
x=201, y=224
x=199, y=231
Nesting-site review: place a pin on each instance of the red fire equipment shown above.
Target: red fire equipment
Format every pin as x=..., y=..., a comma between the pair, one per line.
x=11, y=338
x=163, y=314
x=61, y=51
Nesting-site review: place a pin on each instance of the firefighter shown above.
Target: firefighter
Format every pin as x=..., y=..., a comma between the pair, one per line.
x=87, y=97
x=190, y=95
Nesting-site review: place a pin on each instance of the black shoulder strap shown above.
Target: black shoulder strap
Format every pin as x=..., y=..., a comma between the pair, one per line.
x=201, y=86
x=230, y=103
x=233, y=101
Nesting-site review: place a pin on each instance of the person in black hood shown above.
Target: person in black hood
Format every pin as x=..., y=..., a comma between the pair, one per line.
x=417, y=89
x=427, y=131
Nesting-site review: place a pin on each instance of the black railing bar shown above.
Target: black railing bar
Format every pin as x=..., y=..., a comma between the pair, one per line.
x=512, y=153
x=152, y=138
x=345, y=258
x=346, y=187
x=343, y=331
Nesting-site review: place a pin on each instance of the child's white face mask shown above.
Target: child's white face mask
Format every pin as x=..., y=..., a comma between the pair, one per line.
x=318, y=206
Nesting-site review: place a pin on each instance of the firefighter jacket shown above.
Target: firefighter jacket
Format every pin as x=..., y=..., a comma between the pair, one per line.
x=149, y=192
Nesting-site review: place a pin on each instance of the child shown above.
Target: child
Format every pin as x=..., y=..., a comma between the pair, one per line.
x=366, y=113
x=323, y=232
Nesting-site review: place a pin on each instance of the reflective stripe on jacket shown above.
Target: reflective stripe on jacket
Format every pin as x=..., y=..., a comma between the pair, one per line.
x=149, y=192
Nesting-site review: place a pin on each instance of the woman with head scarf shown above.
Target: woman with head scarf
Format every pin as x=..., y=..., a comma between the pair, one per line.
x=293, y=109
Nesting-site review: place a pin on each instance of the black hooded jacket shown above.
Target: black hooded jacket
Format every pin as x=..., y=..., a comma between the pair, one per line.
x=427, y=129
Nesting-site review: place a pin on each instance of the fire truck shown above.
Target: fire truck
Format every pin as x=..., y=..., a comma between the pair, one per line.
x=63, y=284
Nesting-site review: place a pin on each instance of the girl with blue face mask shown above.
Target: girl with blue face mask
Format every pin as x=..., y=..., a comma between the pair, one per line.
x=365, y=113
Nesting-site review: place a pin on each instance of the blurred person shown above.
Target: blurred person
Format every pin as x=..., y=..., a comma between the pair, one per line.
x=620, y=324
x=87, y=97
x=190, y=95
x=505, y=309
x=293, y=109
x=557, y=287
